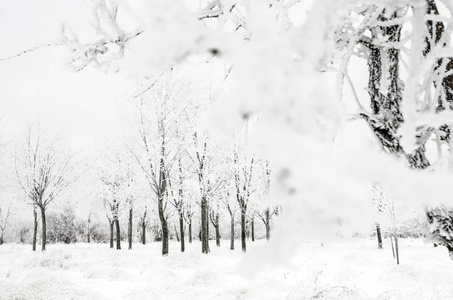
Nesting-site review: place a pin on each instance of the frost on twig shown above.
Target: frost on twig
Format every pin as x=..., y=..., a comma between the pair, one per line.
x=111, y=43
x=35, y=48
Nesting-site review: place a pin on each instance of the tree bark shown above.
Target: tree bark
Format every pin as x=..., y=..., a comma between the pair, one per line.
x=253, y=229
x=232, y=234
x=118, y=234
x=396, y=250
x=217, y=235
x=215, y=223
x=164, y=224
x=204, y=226
x=190, y=231
x=22, y=235
x=111, y=233
x=181, y=230
x=217, y=230
x=393, y=249
x=207, y=222
x=129, y=231
x=144, y=233
x=89, y=231
x=44, y=235
x=1, y=238
x=267, y=224
x=243, y=235
x=379, y=236
x=35, y=228
x=177, y=234
x=165, y=237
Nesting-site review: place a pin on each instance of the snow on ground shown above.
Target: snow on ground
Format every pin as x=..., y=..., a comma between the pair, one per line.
x=352, y=269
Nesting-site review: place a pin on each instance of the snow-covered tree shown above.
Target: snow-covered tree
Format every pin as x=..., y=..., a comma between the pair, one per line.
x=44, y=170
x=265, y=209
x=232, y=206
x=214, y=216
x=409, y=84
x=440, y=227
x=143, y=224
x=162, y=111
x=5, y=215
x=190, y=206
x=243, y=174
x=208, y=165
x=176, y=194
x=111, y=188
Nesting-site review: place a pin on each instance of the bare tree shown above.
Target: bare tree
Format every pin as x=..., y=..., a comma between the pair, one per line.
x=243, y=184
x=188, y=216
x=143, y=223
x=212, y=178
x=112, y=196
x=266, y=217
x=5, y=214
x=266, y=213
x=159, y=123
x=232, y=207
x=178, y=202
x=130, y=195
x=89, y=226
x=215, y=220
x=43, y=171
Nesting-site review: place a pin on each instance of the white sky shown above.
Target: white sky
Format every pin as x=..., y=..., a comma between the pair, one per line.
x=40, y=86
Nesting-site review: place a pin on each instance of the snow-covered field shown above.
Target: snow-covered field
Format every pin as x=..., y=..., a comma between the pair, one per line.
x=352, y=269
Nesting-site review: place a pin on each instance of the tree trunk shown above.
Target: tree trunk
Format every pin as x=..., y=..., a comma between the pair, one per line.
x=44, y=236
x=129, y=231
x=144, y=233
x=247, y=228
x=243, y=235
x=393, y=249
x=177, y=234
x=396, y=250
x=232, y=234
x=1, y=237
x=190, y=231
x=267, y=224
x=22, y=236
x=165, y=237
x=379, y=237
x=89, y=231
x=35, y=228
x=204, y=226
x=207, y=222
x=164, y=224
x=181, y=230
x=111, y=233
x=253, y=229
x=118, y=234
x=217, y=230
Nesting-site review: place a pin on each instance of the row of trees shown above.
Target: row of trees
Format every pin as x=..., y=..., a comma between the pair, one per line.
x=169, y=158
x=183, y=168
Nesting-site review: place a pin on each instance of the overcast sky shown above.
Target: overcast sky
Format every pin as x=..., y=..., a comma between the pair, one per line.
x=40, y=86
